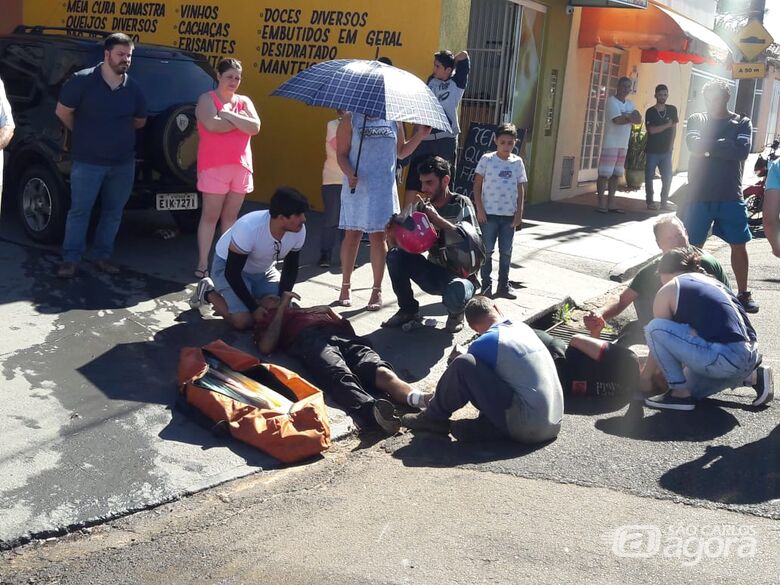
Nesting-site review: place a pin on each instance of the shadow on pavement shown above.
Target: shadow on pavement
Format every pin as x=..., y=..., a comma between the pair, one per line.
x=90, y=290
x=749, y=474
x=412, y=356
x=432, y=450
x=589, y=405
x=703, y=424
x=145, y=371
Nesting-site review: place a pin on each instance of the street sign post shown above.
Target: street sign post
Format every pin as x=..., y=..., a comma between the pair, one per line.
x=748, y=70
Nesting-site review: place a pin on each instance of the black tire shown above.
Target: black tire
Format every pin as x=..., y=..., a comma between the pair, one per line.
x=42, y=201
x=755, y=210
x=187, y=221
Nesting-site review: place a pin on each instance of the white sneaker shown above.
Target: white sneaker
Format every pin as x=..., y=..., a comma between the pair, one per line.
x=764, y=387
x=198, y=298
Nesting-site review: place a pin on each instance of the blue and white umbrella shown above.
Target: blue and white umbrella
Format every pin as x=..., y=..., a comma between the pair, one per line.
x=368, y=87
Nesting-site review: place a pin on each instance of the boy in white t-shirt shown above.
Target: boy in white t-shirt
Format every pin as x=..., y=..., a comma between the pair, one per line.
x=499, y=192
x=244, y=265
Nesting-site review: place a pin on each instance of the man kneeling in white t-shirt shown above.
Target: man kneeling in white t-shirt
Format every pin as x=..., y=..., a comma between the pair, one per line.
x=244, y=265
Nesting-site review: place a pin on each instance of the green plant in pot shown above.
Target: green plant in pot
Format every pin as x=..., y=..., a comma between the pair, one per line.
x=635, y=157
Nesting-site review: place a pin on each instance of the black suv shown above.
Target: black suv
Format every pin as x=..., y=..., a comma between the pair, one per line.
x=34, y=64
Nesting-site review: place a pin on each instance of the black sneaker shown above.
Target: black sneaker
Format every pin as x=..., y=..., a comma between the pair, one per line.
x=764, y=387
x=454, y=322
x=384, y=415
x=668, y=402
x=505, y=292
x=324, y=261
x=67, y=270
x=419, y=421
x=746, y=299
x=198, y=298
x=487, y=291
x=401, y=318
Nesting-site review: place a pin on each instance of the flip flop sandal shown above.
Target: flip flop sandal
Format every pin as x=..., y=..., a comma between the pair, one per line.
x=617, y=210
x=200, y=274
x=600, y=210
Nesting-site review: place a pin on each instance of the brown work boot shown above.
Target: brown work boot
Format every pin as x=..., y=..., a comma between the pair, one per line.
x=107, y=266
x=67, y=270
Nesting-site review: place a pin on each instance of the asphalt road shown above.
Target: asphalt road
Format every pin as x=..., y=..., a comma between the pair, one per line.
x=410, y=509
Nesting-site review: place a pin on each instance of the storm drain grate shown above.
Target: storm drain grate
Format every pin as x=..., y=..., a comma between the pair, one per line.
x=564, y=331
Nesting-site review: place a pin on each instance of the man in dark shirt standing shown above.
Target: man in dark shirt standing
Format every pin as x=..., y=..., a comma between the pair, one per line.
x=103, y=108
x=661, y=122
x=719, y=142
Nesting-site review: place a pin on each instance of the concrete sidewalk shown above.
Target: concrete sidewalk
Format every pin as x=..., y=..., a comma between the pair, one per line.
x=89, y=429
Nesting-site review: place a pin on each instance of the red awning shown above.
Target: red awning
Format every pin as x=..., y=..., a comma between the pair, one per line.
x=663, y=35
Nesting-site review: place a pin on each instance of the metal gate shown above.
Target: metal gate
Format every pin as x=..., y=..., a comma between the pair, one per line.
x=494, y=34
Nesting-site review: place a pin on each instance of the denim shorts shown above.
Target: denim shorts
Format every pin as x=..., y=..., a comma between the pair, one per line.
x=260, y=285
x=728, y=220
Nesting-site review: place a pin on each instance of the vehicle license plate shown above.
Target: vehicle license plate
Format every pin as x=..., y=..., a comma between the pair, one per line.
x=176, y=201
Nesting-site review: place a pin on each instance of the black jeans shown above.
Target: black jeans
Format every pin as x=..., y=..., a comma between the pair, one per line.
x=344, y=367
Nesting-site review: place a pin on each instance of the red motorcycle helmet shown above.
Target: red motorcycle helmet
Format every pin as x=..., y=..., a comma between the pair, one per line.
x=415, y=234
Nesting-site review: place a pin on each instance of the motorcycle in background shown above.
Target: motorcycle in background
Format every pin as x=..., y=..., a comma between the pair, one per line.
x=754, y=194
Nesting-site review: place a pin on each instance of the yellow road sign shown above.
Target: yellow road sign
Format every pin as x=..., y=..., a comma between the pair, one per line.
x=748, y=70
x=752, y=39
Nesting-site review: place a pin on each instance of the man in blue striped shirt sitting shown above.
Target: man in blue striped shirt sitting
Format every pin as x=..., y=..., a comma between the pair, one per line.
x=508, y=375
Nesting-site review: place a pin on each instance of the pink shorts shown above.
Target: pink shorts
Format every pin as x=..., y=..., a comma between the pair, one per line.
x=225, y=179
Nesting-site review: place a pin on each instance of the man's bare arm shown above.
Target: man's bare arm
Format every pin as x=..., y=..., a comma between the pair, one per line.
x=66, y=115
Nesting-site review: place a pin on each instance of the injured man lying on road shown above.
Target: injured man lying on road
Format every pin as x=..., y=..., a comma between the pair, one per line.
x=342, y=364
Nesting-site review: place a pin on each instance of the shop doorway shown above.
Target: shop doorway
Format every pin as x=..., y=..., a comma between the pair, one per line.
x=505, y=45
x=603, y=83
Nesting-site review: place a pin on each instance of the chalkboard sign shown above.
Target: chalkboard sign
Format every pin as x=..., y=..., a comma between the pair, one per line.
x=479, y=140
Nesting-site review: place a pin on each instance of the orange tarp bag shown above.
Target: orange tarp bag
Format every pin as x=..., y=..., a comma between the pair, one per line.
x=292, y=436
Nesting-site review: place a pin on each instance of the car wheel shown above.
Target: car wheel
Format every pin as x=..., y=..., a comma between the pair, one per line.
x=187, y=221
x=43, y=204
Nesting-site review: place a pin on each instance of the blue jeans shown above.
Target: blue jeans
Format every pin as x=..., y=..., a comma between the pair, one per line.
x=497, y=227
x=663, y=162
x=694, y=364
x=114, y=184
x=404, y=268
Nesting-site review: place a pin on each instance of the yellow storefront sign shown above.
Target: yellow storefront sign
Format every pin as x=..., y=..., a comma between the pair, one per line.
x=748, y=70
x=274, y=40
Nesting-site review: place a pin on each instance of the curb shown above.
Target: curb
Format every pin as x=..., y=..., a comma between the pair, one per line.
x=628, y=268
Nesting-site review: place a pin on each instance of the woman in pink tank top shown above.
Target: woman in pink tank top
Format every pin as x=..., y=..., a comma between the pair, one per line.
x=226, y=122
